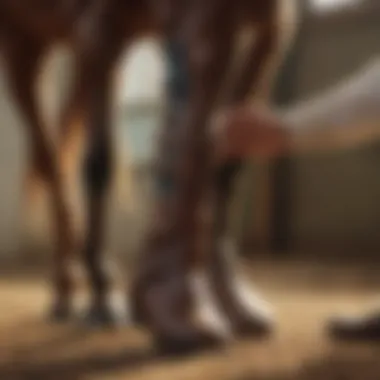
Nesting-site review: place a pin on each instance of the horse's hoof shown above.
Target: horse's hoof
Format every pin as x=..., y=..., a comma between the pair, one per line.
x=104, y=317
x=60, y=313
x=188, y=343
x=251, y=318
x=251, y=326
x=366, y=328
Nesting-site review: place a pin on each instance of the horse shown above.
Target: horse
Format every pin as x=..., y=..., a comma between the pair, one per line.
x=200, y=38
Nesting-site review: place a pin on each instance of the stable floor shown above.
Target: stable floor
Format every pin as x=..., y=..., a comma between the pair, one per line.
x=304, y=295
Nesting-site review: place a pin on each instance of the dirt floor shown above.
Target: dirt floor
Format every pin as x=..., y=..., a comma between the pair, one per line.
x=304, y=296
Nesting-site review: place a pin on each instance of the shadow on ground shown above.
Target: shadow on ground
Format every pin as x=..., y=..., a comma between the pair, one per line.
x=336, y=366
x=70, y=353
x=37, y=350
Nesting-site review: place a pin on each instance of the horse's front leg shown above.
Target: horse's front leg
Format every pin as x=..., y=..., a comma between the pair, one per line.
x=163, y=290
x=22, y=60
x=100, y=46
x=248, y=314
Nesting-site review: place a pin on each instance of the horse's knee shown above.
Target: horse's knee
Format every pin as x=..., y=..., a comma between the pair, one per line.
x=43, y=163
x=97, y=167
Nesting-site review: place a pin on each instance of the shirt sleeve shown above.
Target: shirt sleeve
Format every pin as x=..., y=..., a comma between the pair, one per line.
x=354, y=101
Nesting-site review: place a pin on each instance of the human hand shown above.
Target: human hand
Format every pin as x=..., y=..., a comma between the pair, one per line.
x=248, y=132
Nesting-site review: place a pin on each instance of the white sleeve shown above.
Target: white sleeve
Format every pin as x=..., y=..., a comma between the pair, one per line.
x=355, y=100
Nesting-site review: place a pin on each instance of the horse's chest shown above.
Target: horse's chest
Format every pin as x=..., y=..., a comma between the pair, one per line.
x=43, y=18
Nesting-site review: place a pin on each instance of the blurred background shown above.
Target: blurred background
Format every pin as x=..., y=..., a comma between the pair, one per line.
x=311, y=206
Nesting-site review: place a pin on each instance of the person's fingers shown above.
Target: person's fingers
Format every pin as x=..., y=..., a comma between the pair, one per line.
x=250, y=132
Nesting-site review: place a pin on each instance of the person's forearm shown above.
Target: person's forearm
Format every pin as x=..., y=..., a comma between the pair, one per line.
x=344, y=115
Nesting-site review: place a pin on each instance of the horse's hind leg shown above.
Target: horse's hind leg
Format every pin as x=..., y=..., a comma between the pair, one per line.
x=248, y=315
x=22, y=58
x=70, y=142
x=70, y=146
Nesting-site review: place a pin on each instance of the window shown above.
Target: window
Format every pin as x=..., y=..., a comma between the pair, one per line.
x=321, y=6
x=137, y=130
x=140, y=101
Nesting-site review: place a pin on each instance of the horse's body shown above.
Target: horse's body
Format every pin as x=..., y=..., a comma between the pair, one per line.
x=202, y=36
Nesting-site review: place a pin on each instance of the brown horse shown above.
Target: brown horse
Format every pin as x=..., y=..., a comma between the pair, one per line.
x=203, y=35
